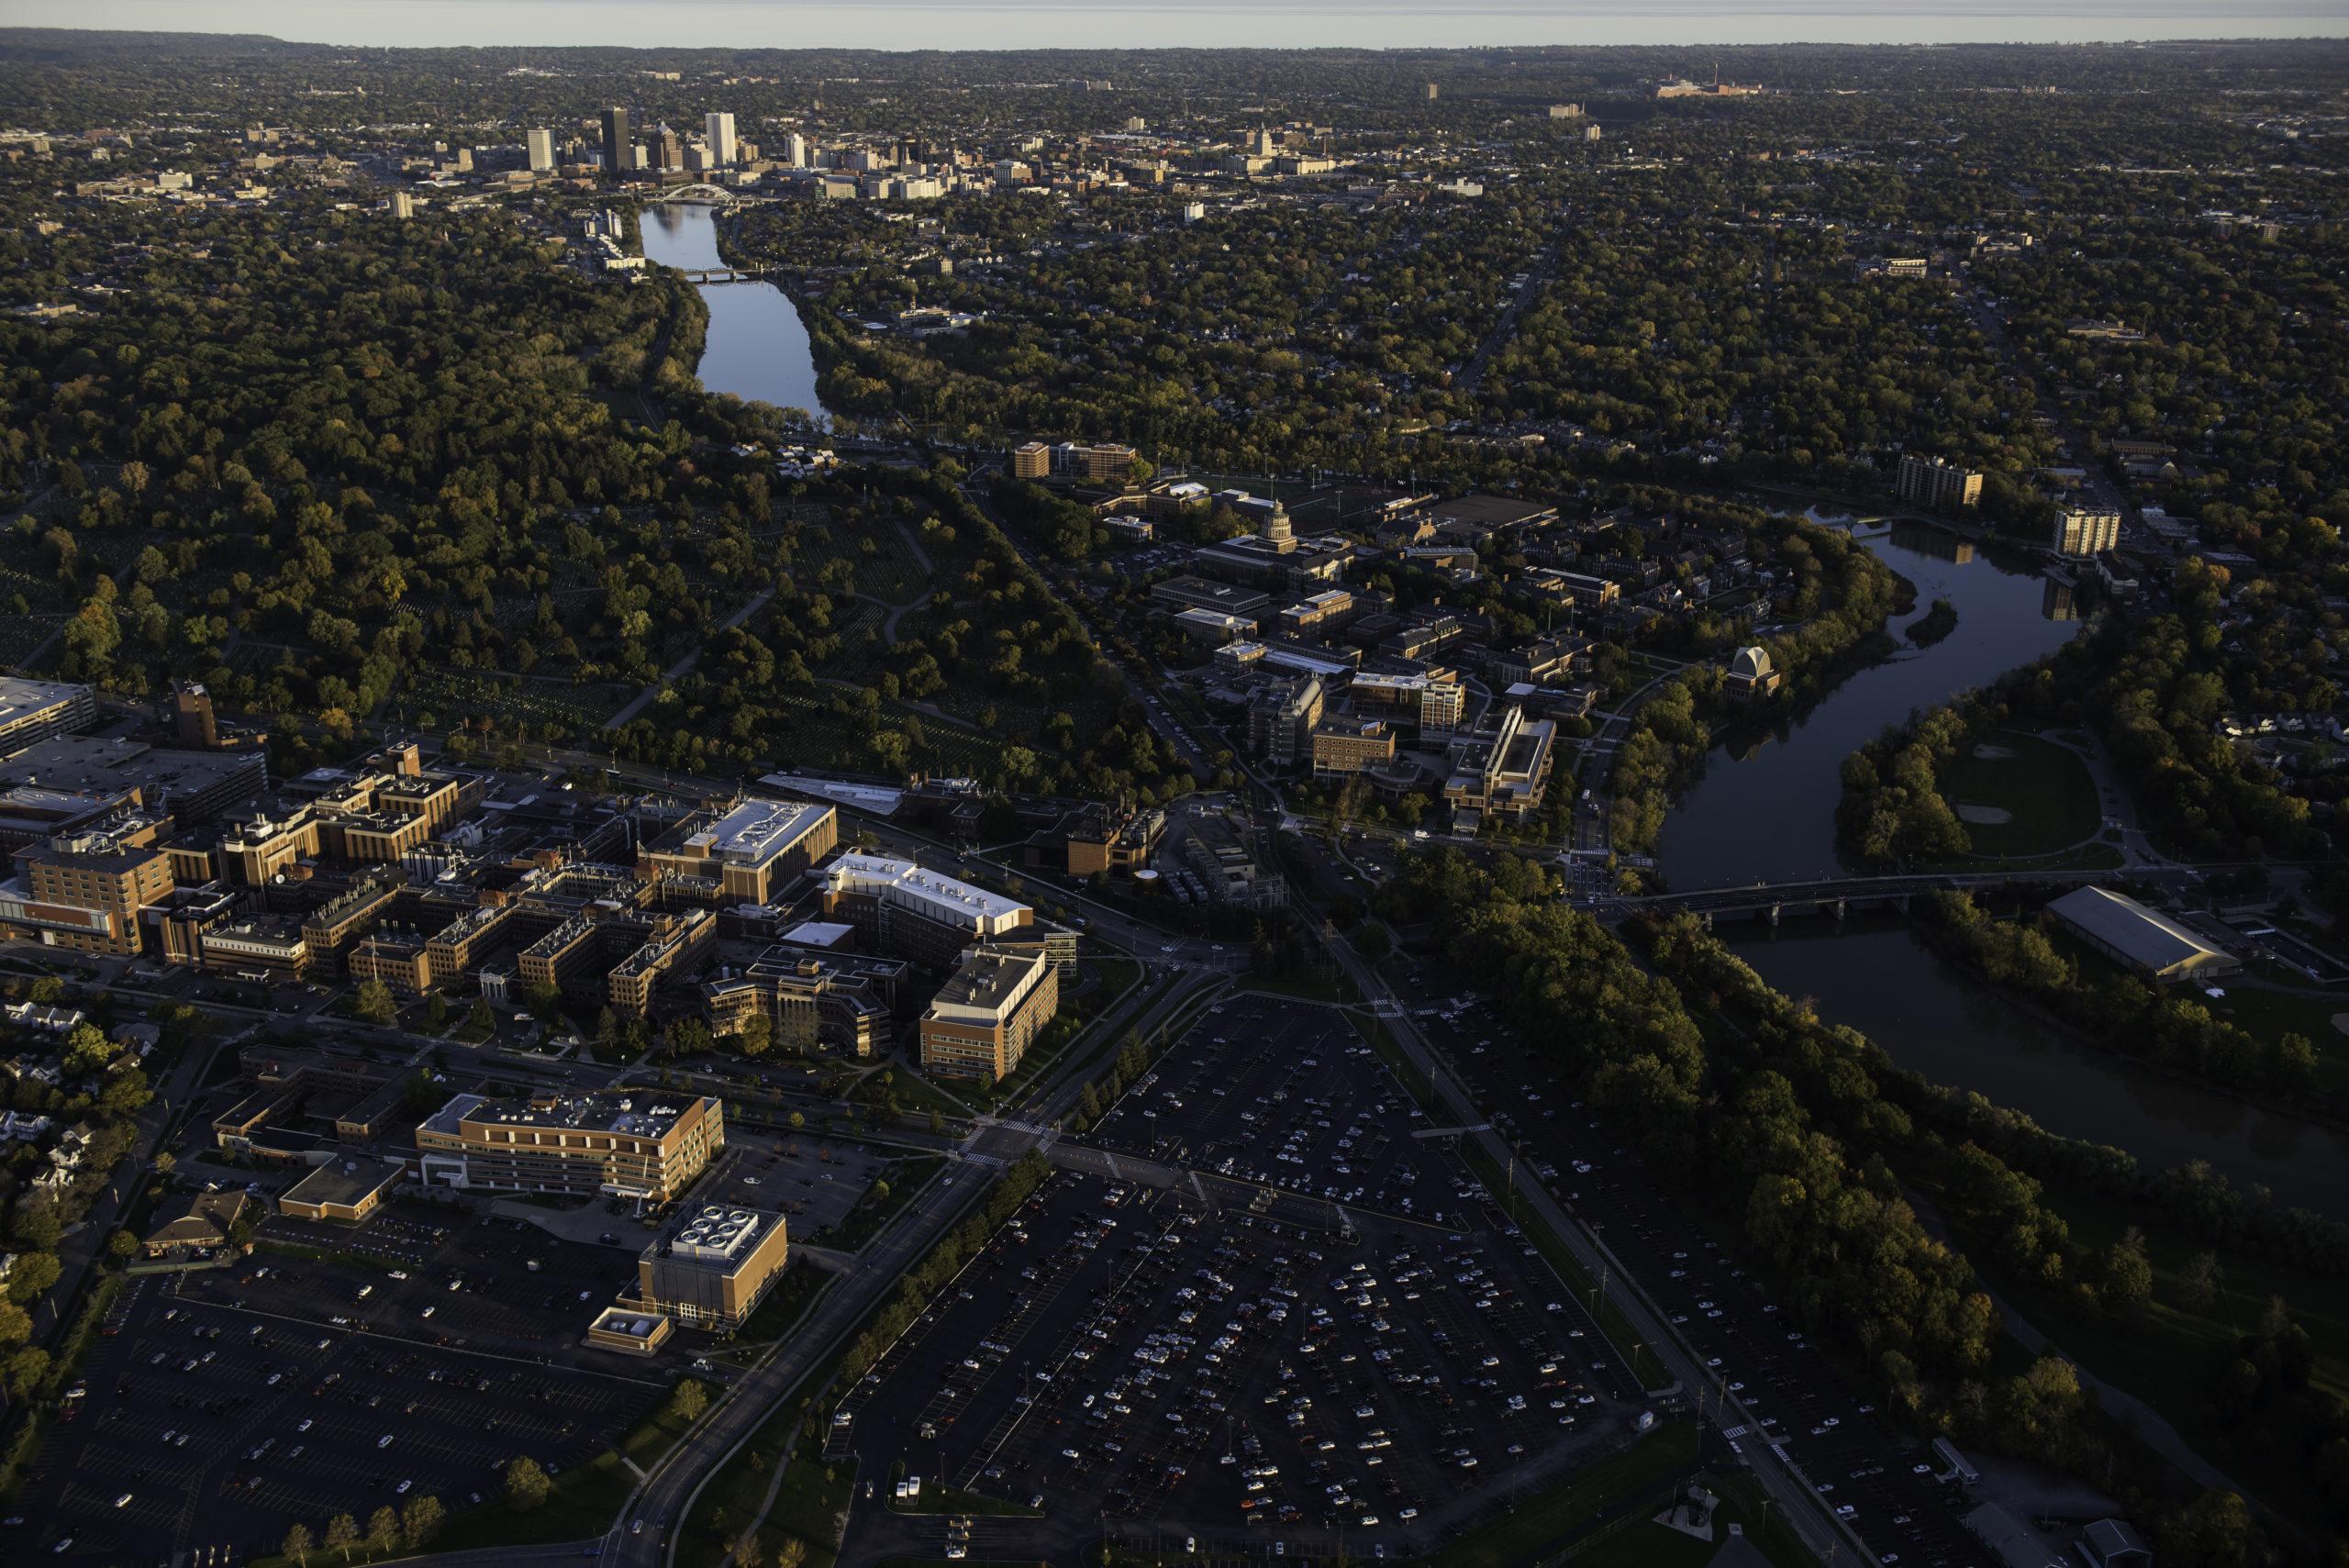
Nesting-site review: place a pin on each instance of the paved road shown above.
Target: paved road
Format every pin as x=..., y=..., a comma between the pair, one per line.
x=1824, y=1534
x=665, y=1497
x=76, y=1252
x=667, y=1494
x=678, y=670
x=1472, y=375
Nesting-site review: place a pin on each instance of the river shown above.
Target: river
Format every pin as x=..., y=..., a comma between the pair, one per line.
x=758, y=347
x=1765, y=811
x=1934, y=1019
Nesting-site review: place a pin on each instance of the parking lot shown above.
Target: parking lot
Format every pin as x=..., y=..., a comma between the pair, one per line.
x=456, y=1278
x=813, y=1178
x=1235, y=1363
x=1797, y=1398
x=1284, y=1095
x=226, y=1406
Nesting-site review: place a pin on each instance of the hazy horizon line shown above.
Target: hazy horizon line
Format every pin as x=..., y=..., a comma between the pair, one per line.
x=978, y=26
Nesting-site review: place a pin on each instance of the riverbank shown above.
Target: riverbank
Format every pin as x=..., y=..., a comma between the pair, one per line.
x=757, y=345
x=1665, y=755
x=1788, y=773
x=1876, y=976
x=2174, y=1033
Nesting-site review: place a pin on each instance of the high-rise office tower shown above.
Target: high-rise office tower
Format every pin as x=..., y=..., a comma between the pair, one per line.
x=620, y=144
x=794, y=150
x=718, y=131
x=667, y=149
x=542, y=152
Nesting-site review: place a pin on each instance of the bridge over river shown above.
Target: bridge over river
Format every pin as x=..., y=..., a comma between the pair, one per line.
x=1841, y=895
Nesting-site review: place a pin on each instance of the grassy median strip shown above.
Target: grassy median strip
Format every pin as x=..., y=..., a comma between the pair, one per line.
x=813, y=1500
x=1543, y=1521
x=861, y=1223
x=1561, y=1258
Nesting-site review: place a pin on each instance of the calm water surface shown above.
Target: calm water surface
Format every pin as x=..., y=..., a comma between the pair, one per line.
x=1765, y=811
x=758, y=347
x=1766, y=808
x=1934, y=1019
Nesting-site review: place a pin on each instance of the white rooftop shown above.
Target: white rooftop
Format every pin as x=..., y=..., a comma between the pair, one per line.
x=877, y=874
x=758, y=830
x=878, y=799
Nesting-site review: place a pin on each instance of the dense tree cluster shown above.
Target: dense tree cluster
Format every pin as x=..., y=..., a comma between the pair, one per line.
x=2120, y=1011
x=1805, y=1135
x=1892, y=812
x=1839, y=598
x=294, y=453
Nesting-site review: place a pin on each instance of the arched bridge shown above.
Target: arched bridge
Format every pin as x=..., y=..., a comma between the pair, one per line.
x=717, y=196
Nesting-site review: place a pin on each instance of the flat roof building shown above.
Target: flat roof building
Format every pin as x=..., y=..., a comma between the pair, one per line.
x=921, y=914
x=347, y=1190
x=193, y=786
x=646, y=1146
x=2146, y=941
x=258, y=947
x=631, y=1332
x=1504, y=769
x=35, y=710
x=983, y=1018
x=1934, y=482
x=711, y=1266
x=1345, y=744
x=675, y=950
x=814, y=999
x=2081, y=532
x=753, y=851
x=84, y=891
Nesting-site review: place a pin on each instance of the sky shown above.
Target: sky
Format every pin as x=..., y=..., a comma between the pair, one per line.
x=1284, y=24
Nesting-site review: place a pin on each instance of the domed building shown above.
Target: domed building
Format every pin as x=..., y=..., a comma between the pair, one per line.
x=1752, y=675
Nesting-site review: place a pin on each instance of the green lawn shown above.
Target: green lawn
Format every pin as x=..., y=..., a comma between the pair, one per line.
x=906, y=1177
x=913, y=1091
x=1547, y=1517
x=1118, y=976
x=953, y=1500
x=813, y=1499
x=2046, y=788
x=786, y=1305
x=1328, y=984
x=583, y=1504
x=2271, y=1014
x=2166, y=1357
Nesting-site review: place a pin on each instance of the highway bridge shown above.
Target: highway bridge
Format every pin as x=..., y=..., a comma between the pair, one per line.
x=717, y=275
x=1841, y=895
